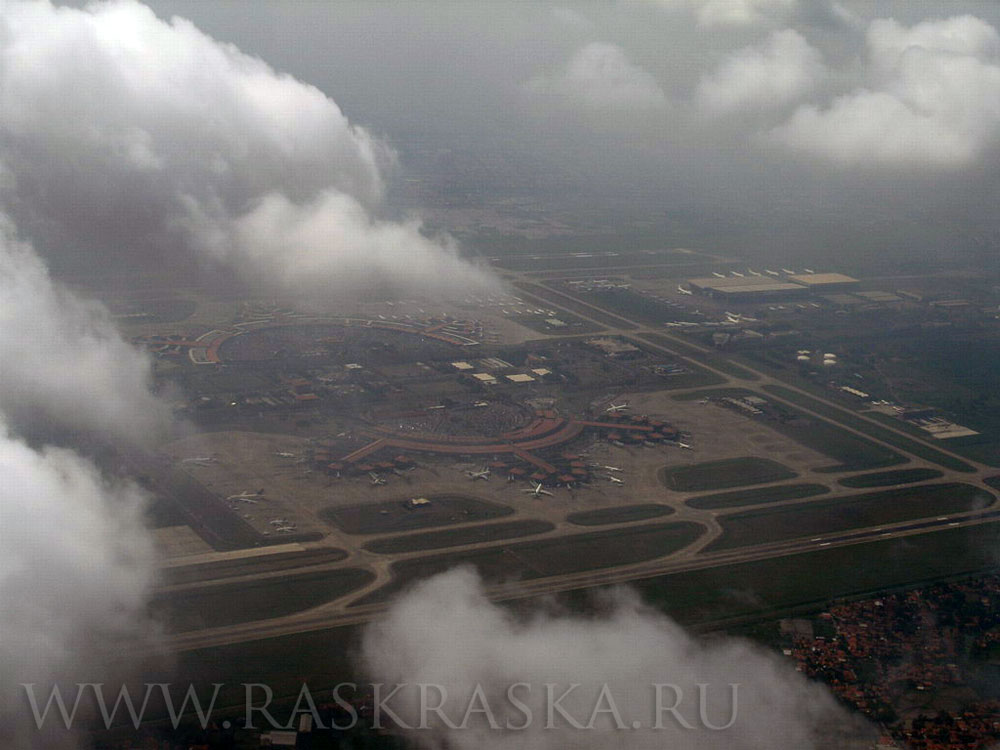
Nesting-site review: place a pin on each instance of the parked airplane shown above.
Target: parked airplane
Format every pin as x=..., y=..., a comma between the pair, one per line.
x=705, y=401
x=611, y=468
x=483, y=473
x=718, y=275
x=790, y=272
x=200, y=460
x=769, y=272
x=285, y=454
x=682, y=290
x=537, y=491
x=247, y=496
x=753, y=272
x=285, y=529
x=808, y=270
x=685, y=446
x=279, y=522
x=613, y=479
x=615, y=408
x=377, y=481
x=737, y=274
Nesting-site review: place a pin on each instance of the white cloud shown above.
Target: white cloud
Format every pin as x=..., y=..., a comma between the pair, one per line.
x=446, y=632
x=64, y=364
x=119, y=128
x=934, y=100
x=773, y=74
x=713, y=13
x=76, y=568
x=600, y=77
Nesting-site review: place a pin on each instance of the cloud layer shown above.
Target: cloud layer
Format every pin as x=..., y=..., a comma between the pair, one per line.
x=121, y=130
x=76, y=568
x=933, y=101
x=781, y=70
x=65, y=367
x=446, y=632
x=600, y=77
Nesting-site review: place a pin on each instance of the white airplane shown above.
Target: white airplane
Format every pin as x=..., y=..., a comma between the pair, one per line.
x=377, y=481
x=613, y=479
x=718, y=275
x=753, y=272
x=808, y=270
x=685, y=446
x=682, y=290
x=612, y=468
x=615, y=408
x=284, y=454
x=737, y=274
x=247, y=496
x=279, y=522
x=790, y=272
x=483, y=473
x=285, y=529
x=537, y=491
x=705, y=401
x=200, y=460
x=769, y=272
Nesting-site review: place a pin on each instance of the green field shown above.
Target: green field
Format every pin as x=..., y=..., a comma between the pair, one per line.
x=812, y=579
x=380, y=518
x=890, y=478
x=730, y=472
x=709, y=358
x=559, y=556
x=756, y=497
x=869, y=428
x=248, y=565
x=777, y=524
x=619, y=514
x=231, y=603
x=458, y=537
x=852, y=452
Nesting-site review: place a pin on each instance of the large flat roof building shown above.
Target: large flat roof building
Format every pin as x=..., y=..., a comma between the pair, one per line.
x=824, y=281
x=754, y=287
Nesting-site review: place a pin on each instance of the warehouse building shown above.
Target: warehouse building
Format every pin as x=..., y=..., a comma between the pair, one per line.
x=753, y=288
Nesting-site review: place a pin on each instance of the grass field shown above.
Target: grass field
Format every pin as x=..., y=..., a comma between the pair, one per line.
x=850, y=451
x=768, y=525
x=730, y=472
x=444, y=510
x=458, y=537
x=890, y=478
x=232, y=603
x=876, y=431
x=984, y=447
x=756, y=497
x=243, y=566
x=709, y=358
x=619, y=514
x=568, y=554
x=812, y=579
x=760, y=589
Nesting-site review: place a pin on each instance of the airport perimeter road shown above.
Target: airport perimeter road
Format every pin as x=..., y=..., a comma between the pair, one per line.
x=338, y=613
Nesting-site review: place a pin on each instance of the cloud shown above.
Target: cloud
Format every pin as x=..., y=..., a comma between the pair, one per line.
x=446, y=632
x=76, y=569
x=773, y=74
x=121, y=130
x=600, y=77
x=65, y=367
x=75, y=573
x=934, y=101
x=713, y=13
